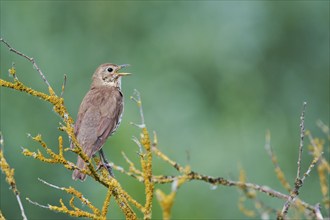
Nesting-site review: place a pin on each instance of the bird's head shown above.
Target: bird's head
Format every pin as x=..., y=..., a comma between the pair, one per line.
x=107, y=74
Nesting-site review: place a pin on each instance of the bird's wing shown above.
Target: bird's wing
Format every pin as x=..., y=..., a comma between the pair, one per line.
x=82, y=112
x=110, y=109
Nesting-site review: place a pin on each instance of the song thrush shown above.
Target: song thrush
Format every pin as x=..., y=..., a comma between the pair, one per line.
x=99, y=113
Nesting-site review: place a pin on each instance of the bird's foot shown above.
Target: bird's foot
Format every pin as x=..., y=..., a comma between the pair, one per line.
x=106, y=166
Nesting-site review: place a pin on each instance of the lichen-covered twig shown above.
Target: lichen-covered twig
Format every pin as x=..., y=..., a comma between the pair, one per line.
x=166, y=201
x=144, y=173
x=9, y=173
x=324, y=128
x=77, y=195
x=58, y=102
x=145, y=158
x=279, y=172
x=192, y=175
x=323, y=167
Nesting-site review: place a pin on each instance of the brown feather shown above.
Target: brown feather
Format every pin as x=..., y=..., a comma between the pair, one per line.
x=98, y=117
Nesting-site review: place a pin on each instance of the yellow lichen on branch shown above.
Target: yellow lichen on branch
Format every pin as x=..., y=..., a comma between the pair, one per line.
x=112, y=184
x=144, y=174
x=12, y=71
x=146, y=163
x=278, y=171
x=58, y=105
x=145, y=153
x=248, y=212
x=75, y=212
x=54, y=158
x=166, y=202
x=316, y=147
x=9, y=173
x=106, y=203
x=121, y=198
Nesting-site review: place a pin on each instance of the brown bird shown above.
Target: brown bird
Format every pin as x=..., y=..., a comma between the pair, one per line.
x=99, y=114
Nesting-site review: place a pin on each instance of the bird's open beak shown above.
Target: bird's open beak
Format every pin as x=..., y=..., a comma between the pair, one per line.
x=123, y=74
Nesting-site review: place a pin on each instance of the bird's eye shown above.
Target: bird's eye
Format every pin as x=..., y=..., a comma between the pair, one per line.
x=109, y=69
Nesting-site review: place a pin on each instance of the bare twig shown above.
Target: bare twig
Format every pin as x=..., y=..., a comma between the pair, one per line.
x=137, y=98
x=302, y=135
x=51, y=185
x=299, y=180
x=37, y=204
x=318, y=213
x=28, y=58
x=18, y=198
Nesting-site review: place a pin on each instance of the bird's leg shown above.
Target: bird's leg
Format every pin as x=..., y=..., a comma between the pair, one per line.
x=105, y=163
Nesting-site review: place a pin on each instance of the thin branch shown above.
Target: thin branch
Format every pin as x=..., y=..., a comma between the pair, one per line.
x=323, y=167
x=302, y=135
x=315, y=160
x=279, y=172
x=136, y=140
x=75, y=193
x=114, y=189
x=317, y=150
x=192, y=175
x=51, y=185
x=145, y=158
x=9, y=173
x=37, y=204
x=299, y=181
x=318, y=213
x=136, y=97
x=28, y=58
x=294, y=193
x=18, y=198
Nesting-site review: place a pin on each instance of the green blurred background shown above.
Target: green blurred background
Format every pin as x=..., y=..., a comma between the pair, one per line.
x=214, y=76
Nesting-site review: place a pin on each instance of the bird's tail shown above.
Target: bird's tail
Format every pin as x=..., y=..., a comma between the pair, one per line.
x=76, y=173
x=82, y=165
